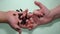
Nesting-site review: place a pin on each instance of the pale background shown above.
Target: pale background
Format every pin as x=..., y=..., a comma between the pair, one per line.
x=52, y=28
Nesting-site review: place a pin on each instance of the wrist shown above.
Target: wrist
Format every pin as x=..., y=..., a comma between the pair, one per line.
x=3, y=18
x=56, y=12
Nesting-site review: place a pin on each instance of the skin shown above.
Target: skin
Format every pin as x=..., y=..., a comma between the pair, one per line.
x=33, y=21
x=48, y=17
x=3, y=18
x=12, y=20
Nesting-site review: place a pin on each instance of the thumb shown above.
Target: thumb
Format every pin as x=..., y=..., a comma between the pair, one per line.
x=40, y=5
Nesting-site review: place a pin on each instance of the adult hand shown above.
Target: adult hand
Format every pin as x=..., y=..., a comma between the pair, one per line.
x=37, y=18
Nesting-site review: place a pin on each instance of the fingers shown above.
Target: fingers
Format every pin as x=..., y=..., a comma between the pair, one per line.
x=22, y=26
x=16, y=27
x=40, y=5
x=29, y=25
x=19, y=32
x=24, y=13
x=29, y=15
x=38, y=13
x=36, y=19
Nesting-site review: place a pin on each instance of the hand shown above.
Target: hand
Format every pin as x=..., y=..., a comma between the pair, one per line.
x=46, y=18
x=12, y=17
x=37, y=19
x=29, y=22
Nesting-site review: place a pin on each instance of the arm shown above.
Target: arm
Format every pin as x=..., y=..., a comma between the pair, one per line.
x=3, y=18
x=55, y=12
